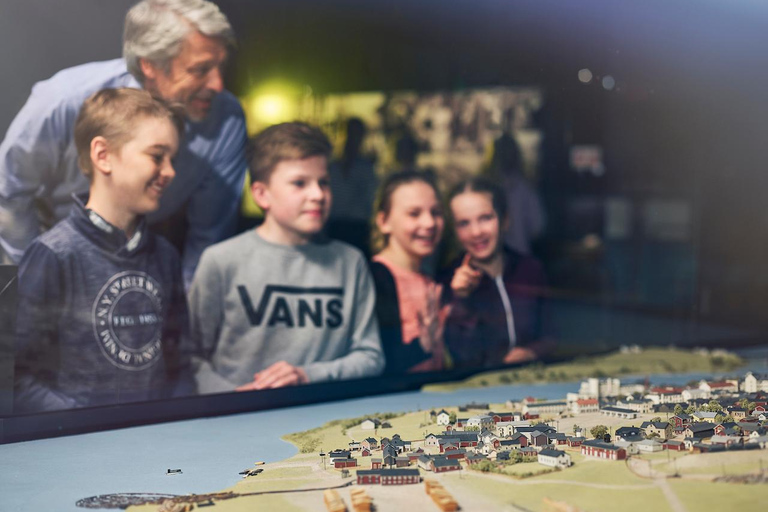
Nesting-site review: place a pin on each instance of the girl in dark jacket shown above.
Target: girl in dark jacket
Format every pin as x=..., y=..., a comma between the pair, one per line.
x=495, y=316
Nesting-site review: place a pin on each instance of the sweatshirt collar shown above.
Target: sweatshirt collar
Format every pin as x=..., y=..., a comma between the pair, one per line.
x=106, y=235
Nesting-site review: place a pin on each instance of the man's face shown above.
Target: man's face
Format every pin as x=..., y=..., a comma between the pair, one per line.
x=194, y=77
x=297, y=198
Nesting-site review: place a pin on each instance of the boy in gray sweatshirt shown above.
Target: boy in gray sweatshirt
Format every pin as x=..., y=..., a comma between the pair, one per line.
x=281, y=305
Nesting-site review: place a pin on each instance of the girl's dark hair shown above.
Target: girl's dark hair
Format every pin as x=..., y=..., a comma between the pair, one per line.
x=483, y=185
x=383, y=202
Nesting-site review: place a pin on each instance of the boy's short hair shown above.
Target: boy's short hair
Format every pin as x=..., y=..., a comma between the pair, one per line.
x=112, y=114
x=286, y=141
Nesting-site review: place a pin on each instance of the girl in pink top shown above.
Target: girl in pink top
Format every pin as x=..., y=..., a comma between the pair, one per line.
x=409, y=224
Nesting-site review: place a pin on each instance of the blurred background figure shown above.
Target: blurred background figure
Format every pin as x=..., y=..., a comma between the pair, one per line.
x=526, y=214
x=406, y=152
x=353, y=185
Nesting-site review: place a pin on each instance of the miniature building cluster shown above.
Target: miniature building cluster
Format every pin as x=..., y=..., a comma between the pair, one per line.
x=467, y=441
x=714, y=416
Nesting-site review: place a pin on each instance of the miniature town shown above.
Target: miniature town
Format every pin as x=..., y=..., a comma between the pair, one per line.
x=683, y=448
x=728, y=415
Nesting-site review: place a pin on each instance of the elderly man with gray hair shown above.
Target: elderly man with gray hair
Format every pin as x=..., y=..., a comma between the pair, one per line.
x=175, y=49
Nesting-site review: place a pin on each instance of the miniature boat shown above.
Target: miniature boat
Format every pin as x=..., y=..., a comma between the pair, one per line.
x=173, y=472
x=260, y=463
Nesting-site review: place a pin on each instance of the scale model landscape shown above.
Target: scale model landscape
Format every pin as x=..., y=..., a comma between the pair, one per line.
x=608, y=445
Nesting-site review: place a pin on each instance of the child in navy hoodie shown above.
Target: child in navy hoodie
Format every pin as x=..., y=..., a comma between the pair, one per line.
x=101, y=312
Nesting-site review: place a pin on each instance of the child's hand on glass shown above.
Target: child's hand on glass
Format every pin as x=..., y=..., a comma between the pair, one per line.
x=430, y=325
x=278, y=375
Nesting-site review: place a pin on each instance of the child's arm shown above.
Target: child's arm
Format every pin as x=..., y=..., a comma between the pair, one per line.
x=464, y=333
x=206, y=316
x=40, y=301
x=538, y=337
x=365, y=357
x=178, y=348
x=278, y=375
x=465, y=278
x=399, y=356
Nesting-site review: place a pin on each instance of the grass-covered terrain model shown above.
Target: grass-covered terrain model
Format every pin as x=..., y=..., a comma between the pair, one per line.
x=648, y=361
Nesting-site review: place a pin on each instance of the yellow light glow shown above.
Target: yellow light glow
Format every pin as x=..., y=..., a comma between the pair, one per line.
x=271, y=108
x=272, y=102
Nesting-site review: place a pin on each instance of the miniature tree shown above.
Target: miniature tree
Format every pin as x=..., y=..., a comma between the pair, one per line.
x=748, y=406
x=452, y=417
x=598, y=431
x=678, y=410
x=714, y=406
x=486, y=466
x=690, y=409
x=656, y=419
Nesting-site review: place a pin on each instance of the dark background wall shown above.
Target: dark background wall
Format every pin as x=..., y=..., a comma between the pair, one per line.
x=39, y=37
x=688, y=119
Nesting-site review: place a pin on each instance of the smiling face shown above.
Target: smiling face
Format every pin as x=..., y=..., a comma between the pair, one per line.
x=414, y=223
x=194, y=77
x=477, y=224
x=141, y=169
x=297, y=199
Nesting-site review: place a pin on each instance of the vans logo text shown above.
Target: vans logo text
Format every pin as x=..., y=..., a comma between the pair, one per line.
x=324, y=311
